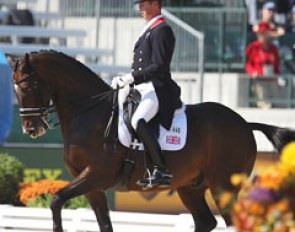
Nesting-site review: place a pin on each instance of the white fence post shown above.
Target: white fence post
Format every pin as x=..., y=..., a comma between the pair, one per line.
x=22, y=219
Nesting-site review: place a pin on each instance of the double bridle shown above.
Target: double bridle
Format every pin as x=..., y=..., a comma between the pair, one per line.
x=43, y=112
x=34, y=86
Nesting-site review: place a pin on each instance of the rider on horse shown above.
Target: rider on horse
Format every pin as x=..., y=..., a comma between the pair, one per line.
x=152, y=78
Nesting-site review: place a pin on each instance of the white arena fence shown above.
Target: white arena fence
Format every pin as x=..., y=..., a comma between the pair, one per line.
x=22, y=219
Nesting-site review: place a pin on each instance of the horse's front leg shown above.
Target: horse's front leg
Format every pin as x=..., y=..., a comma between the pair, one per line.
x=98, y=202
x=85, y=182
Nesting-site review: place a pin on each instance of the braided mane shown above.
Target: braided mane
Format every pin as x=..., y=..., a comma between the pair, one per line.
x=67, y=58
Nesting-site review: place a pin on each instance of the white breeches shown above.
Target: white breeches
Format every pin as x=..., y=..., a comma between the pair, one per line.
x=148, y=106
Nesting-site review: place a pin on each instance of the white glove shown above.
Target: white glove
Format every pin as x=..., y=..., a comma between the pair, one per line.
x=122, y=81
x=115, y=82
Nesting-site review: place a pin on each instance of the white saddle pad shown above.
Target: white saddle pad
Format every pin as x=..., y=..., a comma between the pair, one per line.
x=171, y=140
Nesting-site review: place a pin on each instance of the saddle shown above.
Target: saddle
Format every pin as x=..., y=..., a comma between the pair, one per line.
x=174, y=139
x=129, y=107
x=169, y=140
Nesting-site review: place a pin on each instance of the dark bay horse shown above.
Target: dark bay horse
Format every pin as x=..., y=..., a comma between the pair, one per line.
x=219, y=141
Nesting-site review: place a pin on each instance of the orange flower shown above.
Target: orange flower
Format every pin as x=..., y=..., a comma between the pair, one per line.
x=256, y=208
x=282, y=206
x=273, y=178
x=277, y=214
x=33, y=189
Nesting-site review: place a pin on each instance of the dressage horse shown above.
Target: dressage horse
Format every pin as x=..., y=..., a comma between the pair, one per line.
x=219, y=141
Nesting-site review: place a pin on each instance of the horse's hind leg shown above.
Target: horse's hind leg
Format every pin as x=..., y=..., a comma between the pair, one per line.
x=224, y=213
x=194, y=200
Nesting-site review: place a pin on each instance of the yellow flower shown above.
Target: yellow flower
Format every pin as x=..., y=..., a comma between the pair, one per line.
x=238, y=179
x=288, y=156
x=225, y=199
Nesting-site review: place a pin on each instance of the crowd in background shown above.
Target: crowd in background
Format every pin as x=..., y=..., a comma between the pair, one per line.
x=279, y=14
x=264, y=53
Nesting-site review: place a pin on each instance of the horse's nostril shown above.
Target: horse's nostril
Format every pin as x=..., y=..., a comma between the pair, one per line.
x=30, y=130
x=28, y=125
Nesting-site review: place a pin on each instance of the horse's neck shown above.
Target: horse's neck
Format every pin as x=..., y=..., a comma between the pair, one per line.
x=80, y=101
x=85, y=116
x=75, y=90
x=73, y=87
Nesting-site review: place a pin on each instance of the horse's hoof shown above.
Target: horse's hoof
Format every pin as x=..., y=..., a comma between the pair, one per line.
x=206, y=227
x=57, y=229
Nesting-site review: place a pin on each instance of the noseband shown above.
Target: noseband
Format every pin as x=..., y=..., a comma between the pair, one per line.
x=33, y=87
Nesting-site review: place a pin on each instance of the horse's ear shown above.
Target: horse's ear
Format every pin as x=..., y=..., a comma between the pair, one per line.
x=11, y=60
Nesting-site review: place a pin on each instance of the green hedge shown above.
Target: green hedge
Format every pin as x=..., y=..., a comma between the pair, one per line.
x=44, y=200
x=11, y=175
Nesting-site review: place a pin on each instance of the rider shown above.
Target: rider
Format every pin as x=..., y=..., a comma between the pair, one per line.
x=152, y=78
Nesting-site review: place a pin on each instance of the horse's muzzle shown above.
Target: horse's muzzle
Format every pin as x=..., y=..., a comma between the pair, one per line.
x=34, y=131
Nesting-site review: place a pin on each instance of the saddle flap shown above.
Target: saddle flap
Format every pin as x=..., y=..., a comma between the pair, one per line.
x=171, y=140
x=129, y=107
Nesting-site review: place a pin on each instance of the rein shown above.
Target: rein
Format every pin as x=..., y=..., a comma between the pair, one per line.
x=34, y=87
x=98, y=98
x=44, y=111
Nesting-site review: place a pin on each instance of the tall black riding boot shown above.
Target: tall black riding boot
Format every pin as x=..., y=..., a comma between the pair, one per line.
x=161, y=176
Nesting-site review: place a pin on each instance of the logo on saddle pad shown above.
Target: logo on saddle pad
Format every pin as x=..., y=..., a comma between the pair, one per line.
x=171, y=140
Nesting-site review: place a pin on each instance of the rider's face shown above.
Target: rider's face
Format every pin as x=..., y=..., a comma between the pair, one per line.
x=148, y=9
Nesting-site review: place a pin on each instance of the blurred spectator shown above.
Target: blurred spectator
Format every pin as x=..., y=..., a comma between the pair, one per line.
x=267, y=12
x=262, y=60
x=262, y=56
x=252, y=13
x=291, y=25
x=282, y=10
x=286, y=45
x=267, y=16
x=5, y=99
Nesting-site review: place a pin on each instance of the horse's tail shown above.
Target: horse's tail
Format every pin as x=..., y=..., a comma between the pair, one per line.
x=278, y=136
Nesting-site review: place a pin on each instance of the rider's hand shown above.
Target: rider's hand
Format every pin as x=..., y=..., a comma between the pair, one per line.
x=121, y=81
x=115, y=82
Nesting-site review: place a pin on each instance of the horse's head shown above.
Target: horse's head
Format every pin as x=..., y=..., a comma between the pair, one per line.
x=33, y=97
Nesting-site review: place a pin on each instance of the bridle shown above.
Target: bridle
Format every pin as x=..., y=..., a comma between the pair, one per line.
x=34, y=87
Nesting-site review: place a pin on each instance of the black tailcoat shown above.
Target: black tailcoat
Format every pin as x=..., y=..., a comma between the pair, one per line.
x=151, y=62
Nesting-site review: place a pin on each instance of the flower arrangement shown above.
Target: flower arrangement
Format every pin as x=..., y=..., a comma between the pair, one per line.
x=29, y=192
x=266, y=203
x=39, y=194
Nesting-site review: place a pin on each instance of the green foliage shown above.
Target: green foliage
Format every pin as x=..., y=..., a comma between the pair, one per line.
x=11, y=174
x=40, y=201
x=44, y=200
x=77, y=202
